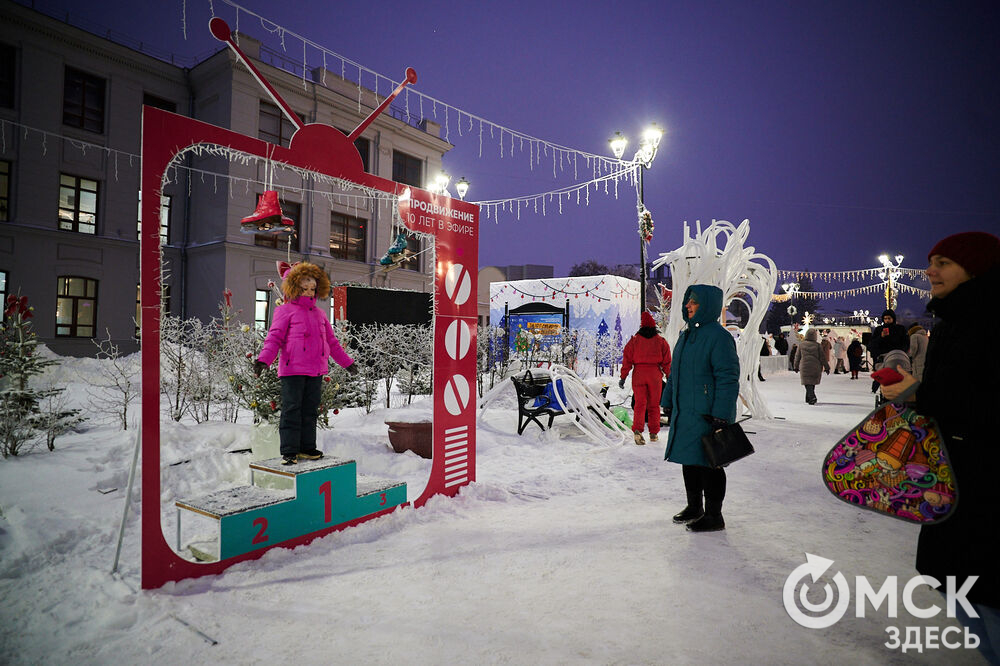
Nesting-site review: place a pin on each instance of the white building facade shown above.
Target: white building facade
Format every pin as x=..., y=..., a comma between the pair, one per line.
x=70, y=119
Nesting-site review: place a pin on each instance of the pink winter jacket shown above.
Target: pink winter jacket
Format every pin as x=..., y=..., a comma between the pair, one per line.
x=304, y=337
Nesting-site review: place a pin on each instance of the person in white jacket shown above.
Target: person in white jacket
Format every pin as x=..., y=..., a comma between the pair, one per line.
x=840, y=353
x=918, y=349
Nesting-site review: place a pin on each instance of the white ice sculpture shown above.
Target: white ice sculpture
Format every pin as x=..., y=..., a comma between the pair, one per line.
x=719, y=256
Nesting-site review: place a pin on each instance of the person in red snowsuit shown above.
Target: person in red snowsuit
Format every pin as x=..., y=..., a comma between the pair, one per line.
x=648, y=354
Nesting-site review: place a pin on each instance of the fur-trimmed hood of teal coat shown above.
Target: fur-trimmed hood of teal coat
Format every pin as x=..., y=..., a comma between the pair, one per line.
x=704, y=377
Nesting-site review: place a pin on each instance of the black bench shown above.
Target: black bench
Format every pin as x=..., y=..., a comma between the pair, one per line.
x=529, y=391
x=533, y=402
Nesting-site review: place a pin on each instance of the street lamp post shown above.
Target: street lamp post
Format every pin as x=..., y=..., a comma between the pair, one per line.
x=890, y=273
x=791, y=288
x=644, y=156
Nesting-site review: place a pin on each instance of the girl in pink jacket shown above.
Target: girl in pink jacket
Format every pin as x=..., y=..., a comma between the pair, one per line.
x=303, y=336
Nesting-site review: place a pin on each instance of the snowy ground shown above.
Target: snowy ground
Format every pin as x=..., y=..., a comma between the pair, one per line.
x=563, y=552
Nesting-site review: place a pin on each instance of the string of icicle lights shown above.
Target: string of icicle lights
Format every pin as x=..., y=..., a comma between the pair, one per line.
x=852, y=275
x=858, y=291
x=125, y=160
x=552, y=293
x=601, y=168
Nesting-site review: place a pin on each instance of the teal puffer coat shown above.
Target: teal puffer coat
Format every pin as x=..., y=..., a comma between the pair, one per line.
x=704, y=377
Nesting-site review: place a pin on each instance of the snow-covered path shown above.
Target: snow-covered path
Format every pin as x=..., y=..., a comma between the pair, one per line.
x=563, y=552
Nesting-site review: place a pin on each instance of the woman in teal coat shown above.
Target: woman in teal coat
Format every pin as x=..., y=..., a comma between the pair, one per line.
x=701, y=391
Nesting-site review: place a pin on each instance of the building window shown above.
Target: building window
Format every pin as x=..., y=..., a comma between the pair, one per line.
x=4, y=191
x=77, y=204
x=165, y=202
x=292, y=211
x=407, y=169
x=76, y=307
x=415, y=246
x=159, y=103
x=274, y=126
x=3, y=292
x=83, y=101
x=347, y=237
x=364, y=147
x=8, y=70
x=261, y=307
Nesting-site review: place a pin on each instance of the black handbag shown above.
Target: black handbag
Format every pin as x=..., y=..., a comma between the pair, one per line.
x=726, y=444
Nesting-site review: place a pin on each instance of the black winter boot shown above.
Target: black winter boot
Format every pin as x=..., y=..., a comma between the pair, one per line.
x=693, y=487
x=715, y=492
x=689, y=514
x=708, y=523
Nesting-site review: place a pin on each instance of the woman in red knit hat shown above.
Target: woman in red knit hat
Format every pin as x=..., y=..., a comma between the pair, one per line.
x=649, y=354
x=960, y=389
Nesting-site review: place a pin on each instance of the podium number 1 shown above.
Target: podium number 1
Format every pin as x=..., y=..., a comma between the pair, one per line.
x=326, y=491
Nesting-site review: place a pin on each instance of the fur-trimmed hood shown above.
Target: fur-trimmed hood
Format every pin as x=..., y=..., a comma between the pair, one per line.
x=291, y=286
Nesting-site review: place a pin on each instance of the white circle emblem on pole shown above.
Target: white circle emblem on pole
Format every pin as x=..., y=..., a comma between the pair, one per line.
x=458, y=284
x=456, y=395
x=457, y=339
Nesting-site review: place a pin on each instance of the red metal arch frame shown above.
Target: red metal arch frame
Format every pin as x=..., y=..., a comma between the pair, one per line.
x=454, y=226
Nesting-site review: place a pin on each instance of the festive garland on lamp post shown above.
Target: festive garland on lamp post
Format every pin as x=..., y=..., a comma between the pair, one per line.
x=645, y=224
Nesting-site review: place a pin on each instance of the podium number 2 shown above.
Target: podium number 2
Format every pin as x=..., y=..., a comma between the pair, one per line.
x=261, y=535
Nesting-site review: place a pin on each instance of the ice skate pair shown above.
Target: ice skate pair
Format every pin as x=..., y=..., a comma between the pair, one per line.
x=398, y=252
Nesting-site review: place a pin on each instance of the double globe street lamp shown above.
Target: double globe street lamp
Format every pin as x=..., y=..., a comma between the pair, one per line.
x=890, y=273
x=649, y=142
x=440, y=185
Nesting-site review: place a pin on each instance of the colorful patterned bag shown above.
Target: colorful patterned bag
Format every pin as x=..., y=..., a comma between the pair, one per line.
x=894, y=462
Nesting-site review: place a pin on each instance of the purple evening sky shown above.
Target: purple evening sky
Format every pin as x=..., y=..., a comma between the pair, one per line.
x=841, y=130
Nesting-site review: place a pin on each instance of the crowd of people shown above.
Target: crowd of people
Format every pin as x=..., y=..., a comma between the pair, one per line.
x=696, y=385
x=957, y=386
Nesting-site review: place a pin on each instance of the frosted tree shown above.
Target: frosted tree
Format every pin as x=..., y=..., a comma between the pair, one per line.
x=184, y=371
x=619, y=343
x=116, y=384
x=493, y=359
x=366, y=354
x=719, y=256
x=56, y=417
x=605, y=350
x=230, y=342
x=22, y=400
x=415, y=342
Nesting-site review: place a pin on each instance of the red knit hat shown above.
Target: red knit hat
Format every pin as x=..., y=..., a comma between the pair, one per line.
x=975, y=251
x=647, y=321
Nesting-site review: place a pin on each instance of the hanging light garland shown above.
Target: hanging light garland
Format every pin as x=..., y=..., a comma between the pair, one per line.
x=618, y=291
x=542, y=202
x=858, y=291
x=125, y=160
x=852, y=275
x=602, y=169
x=507, y=139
